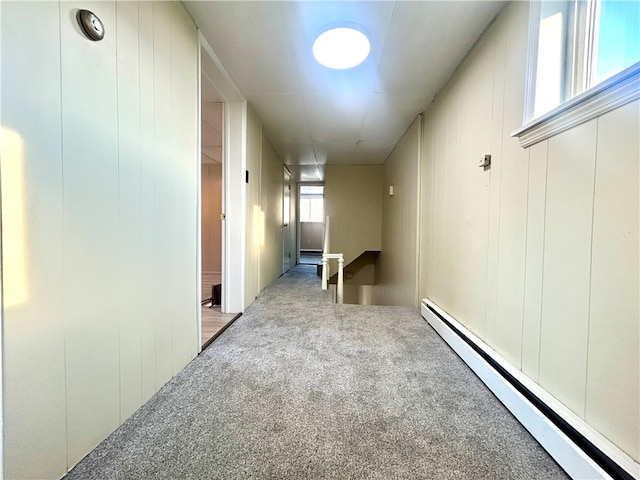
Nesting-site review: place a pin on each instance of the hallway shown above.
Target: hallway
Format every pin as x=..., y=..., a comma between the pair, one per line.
x=301, y=388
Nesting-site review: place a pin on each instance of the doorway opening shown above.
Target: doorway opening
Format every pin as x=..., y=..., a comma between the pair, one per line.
x=287, y=230
x=214, y=316
x=311, y=224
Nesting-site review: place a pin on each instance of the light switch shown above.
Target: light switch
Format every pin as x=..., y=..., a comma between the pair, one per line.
x=391, y=190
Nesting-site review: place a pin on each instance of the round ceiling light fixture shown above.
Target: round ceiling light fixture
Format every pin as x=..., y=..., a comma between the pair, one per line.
x=341, y=48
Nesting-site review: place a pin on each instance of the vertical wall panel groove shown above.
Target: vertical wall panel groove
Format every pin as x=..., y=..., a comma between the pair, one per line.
x=131, y=311
x=163, y=201
x=532, y=308
x=147, y=196
x=493, y=185
x=567, y=247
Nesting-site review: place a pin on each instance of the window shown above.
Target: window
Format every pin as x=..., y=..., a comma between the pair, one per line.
x=311, y=203
x=580, y=44
x=584, y=60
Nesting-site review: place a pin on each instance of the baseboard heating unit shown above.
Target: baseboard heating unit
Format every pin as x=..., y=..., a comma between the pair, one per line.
x=581, y=451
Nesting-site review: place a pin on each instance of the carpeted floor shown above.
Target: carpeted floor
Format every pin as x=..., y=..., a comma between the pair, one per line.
x=299, y=388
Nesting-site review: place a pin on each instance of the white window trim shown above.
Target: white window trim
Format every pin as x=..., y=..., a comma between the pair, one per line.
x=622, y=88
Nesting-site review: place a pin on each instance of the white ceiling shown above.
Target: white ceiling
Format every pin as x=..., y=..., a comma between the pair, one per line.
x=313, y=115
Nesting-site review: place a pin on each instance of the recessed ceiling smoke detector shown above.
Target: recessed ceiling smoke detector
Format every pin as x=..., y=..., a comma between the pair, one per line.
x=341, y=48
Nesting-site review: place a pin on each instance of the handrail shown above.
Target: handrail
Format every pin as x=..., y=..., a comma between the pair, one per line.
x=326, y=256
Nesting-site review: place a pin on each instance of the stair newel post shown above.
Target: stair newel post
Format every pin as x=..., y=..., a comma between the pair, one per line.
x=325, y=262
x=325, y=247
x=340, y=279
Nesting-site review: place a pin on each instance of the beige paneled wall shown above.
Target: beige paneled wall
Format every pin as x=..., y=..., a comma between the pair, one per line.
x=566, y=264
x=90, y=241
x=353, y=200
x=99, y=199
x=311, y=235
x=211, y=193
x=293, y=221
x=254, y=214
x=397, y=266
x=456, y=193
x=264, y=212
x=613, y=360
x=538, y=255
x=32, y=242
x=271, y=205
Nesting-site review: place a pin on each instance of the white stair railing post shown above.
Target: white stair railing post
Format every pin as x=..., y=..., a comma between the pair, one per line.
x=324, y=272
x=325, y=247
x=326, y=256
x=325, y=250
x=340, y=279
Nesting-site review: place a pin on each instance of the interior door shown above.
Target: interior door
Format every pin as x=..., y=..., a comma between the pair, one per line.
x=286, y=222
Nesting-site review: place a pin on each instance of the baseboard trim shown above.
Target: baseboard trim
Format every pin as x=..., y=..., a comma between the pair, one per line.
x=578, y=449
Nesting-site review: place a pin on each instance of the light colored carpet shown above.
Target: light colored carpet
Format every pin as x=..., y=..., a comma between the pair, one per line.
x=301, y=388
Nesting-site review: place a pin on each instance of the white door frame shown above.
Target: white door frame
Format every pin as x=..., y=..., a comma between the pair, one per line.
x=300, y=184
x=234, y=127
x=287, y=228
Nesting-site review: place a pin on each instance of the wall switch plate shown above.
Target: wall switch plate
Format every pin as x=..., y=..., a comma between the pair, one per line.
x=391, y=190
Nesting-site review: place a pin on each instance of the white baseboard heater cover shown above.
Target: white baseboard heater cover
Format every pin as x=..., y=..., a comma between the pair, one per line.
x=552, y=424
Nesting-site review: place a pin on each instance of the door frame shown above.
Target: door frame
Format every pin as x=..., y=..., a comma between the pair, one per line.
x=298, y=222
x=286, y=227
x=234, y=124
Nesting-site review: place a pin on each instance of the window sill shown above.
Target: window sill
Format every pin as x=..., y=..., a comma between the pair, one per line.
x=622, y=88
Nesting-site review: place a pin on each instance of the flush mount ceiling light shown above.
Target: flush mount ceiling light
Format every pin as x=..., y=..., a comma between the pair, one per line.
x=341, y=48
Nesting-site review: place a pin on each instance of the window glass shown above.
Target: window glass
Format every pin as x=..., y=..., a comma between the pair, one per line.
x=618, y=37
x=311, y=209
x=311, y=189
x=311, y=203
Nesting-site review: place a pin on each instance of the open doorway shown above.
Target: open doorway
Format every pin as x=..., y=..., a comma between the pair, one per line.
x=212, y=226
x=287, y=245
x=311, y=224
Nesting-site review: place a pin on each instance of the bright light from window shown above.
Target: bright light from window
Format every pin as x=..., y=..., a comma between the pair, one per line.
x=14, y=238
x=311, y=203
x=341, y=48
x=312, y=190
x=549, y=67
x=311, y=209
